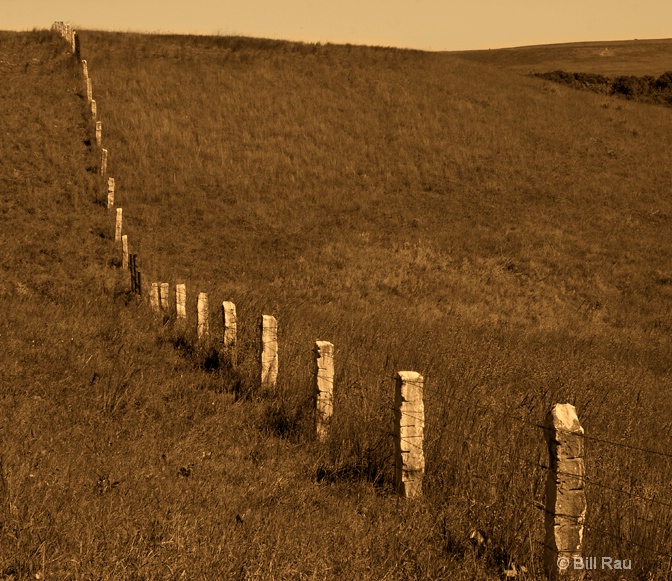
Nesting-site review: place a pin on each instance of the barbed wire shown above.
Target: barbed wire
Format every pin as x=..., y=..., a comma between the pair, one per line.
x=628, y=541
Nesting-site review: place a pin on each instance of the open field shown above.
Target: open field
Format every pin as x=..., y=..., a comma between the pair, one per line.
x=506, y=237
x=612, y=59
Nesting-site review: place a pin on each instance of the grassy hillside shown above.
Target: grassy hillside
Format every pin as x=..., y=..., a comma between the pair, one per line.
x=612, y=59
x=507, y=239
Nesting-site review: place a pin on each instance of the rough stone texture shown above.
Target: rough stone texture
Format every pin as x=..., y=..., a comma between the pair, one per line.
x=323, y=375
x=124, y=251
x=89, y=90
x=94, y=109
x=117, y=228
x=85, y=69
x=164, y=290
x=409, y=428
x=230, y=323
x=99, y=133
x=110, y=193
x=565, y=494
x=203, y=325
x=103, y=163
x=154, y=297
x=181, y=301
x=269, y=351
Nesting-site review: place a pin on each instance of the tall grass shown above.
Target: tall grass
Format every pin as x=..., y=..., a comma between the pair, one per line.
x=418, y=211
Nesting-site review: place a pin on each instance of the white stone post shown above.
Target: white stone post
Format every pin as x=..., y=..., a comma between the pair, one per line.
x=230, y=324
x=203, y=325
x=89, y=90
x=110, y=193
x=154, y=297
x=85, y=69
x=94, y=109
x=124, y=252
x=565, y=491
x=181, y=301
x=117, y=228
x=269, y=352
x=164, y=290
x=99, y=133
x=323, y=387
x=409, y=429
x=103, y=163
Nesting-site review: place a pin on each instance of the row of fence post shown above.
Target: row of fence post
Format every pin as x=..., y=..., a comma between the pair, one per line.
x=565, y=509
x=565, y=486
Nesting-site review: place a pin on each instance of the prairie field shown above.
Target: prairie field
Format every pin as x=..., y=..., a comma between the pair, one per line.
x=506, y=237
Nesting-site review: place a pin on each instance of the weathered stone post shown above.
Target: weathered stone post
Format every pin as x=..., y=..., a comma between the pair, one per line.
x=154, y=297
x=94, y=110
x=409, y=430
x=230, y=324
x=103, y=162
x=99, y=133
x=181, y=301
x=85, y=69
x=203, y=325
x=565, y=491
x=323, y=387
x=89, y=90
x=124, y=252
x=110, y=193
x=269, y=352
x=117, y=228
x=164, y=290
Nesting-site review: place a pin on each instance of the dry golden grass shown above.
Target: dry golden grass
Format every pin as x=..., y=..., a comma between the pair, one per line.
x=506, y=238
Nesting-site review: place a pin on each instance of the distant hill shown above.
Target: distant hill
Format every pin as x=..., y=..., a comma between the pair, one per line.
x=615, y=58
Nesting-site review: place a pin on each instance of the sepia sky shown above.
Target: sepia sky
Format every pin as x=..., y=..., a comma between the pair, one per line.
x=423, y=24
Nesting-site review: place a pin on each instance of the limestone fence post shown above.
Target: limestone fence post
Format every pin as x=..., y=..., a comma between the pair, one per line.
x=323, y=387
x=565, y=491
x=164, y=291
x=269, y=352
x=230, y=325
x=76, y=47
x=409, y=429
x=99, y=133
x=181, y=301
x=110, y=193
x=117, y=228
x=203, y=324
x=124, y=252
x=154, y=298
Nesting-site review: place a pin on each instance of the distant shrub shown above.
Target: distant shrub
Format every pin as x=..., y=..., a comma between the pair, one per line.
x=645, y=88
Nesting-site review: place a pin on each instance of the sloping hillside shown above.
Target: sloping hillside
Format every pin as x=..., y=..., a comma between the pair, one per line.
x=613, y=58
x=507, y=240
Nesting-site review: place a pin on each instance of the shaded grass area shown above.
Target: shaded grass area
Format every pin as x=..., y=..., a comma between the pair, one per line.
x=503, y=239
x=646, y=89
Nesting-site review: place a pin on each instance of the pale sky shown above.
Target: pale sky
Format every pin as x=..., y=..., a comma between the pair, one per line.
x=423, y=24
